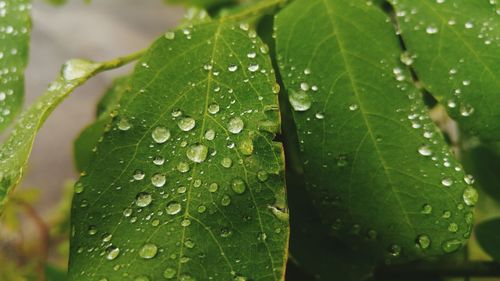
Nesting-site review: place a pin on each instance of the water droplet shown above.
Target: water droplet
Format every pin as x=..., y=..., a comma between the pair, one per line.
x=148, y=251
x=426, y=209
x=470, y=196
x=469, y=25
x=183, y=167
x=123, y=124
x=112, y=252
x=185, y=222
x=213, y=187
x=226, y=200
x=169, y=273
x=453, y=227
x=77, y=69
x=197, y=153
x=469, y=179
x=79, y=188
x=186, y=124
x=139, y=175
x=158, y=180
x=466, y=110
x=160, y=134
x=127, y=212
x=158, y=160
x=353, y=107
x=320, y=115
x=170, y=35
x=447, y=182
x=300, y=101
x=143, y=199
x=238, y=186
x=235, y=125
x=423, y=241
x=395, y=250
x=406, y=58
x=246, y=147
x=431, y=29
x=141, y=278
x=253, y=67
x=451, y=246
x=341, y=160
x=210, y=134
x=262, y=175
x=92, y=230
x=213, y=108
x=232, y=67
x=425, y=150
x=173, y=208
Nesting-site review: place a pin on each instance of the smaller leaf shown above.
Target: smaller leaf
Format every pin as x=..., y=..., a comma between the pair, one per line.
x=89, y=137
x=488, y=234
x=15, y=151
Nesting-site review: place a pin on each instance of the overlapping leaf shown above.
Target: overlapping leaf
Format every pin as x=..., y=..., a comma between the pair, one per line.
x=15, y=28
x=188, y=183
x=455, y=46
x=377, y=168
x=15, y=151
x=487, y=235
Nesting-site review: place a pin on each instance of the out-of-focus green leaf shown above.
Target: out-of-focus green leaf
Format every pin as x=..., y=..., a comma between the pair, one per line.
x=201, y=3
x=188, y=183
x=376, y=166
x=488, y=235
x=15, y=151
x=15, y=27
x=455, y=46
x=90, y=136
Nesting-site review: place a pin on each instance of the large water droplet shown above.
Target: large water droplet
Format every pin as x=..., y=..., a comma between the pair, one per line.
x=213, y=108
x=423, y=241
x=451, y=246
x=470, y=196
x=123, y=124
x=143, y=199
x=235, y=125
x=112, y=252
x=238, y=186
x=197, y=153
x=169, y=273
x=186, y=124
x=300, y=101
x=148, y=251
x=447, y=182
x=425, y=150
x=173, y=208
x=158, y=180
x=160, y=134
x=139, y=175
x=77, y=69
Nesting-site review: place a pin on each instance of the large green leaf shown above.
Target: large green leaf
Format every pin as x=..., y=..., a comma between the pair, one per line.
x=488, y=234
x=15, y=151
x=15, y=28
x=377, y=168
x=90, y=136
x=456, y=50
x=188, y=183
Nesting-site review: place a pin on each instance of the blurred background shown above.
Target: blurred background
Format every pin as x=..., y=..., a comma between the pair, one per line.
x=36, y=223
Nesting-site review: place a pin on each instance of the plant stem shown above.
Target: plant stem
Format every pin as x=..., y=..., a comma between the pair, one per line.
x=428, y=269
x=120, y=61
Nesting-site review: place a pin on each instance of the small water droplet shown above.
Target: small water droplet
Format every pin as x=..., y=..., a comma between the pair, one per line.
x=186, y=124
x=426, y=209
x=123, y=124
x=213, y=187
x=92, y=230
x=112, y=252
x=451, y=246
x=169, y=273
x=210, y=134
x=235, y=125
x=158, y=160
x=183, y=167
x=262, y=175
x=225, y=201
x=238, y=186
x=253, y=67
x=423, y=241
x=353, y=107
x=447, y=182
x=213, y=108
x=148, y=251
x=143, y=199
x=197, y=153
x=139, y=175
x=232, y=67
x=431, y=29
x=470, y=196
x=395, y=250
x=453, y=227
x=160, y=134
x=170, y=35
x=158, y=180
x=425, y=150
x=173, y=208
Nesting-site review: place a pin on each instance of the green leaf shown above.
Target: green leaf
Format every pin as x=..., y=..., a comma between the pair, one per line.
x=456, y=48
x=15, y=26
x=90, y=136
x=202, y=3
x=376, y=166
x=487, y=234
x=15, y=151
x=188, y=184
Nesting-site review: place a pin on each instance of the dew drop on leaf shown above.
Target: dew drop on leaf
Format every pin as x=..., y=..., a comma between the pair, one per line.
x=238, y=186
x=186, y=124
x=470, y=196
x=158, y=180
x=235, y=125
x=213, y=108
x=451, y=245
x=173, y=208
x=170, y=35
x=112, y=252
x=169, y=273
x=226, y=162
x=139, y=175
x=425, y=150
x=143, y=199
x=183, y=167
x=423, y=241
x=300, y=101
x=160, y=134
x=197, y=153
x=148, y=251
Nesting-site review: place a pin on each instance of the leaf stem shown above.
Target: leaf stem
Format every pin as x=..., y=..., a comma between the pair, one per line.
x=421, y=271
x=120, y=61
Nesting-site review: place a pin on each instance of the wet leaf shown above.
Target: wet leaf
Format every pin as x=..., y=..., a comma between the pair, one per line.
x=15, y=26
x=15, y=151
x=456, y=49
x=188, y=183
x=375, y=165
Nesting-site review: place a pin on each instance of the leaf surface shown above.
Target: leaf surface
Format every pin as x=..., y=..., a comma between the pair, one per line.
x=456, y=50
x=378, y=170
x=188, y=183
x=15, y=26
